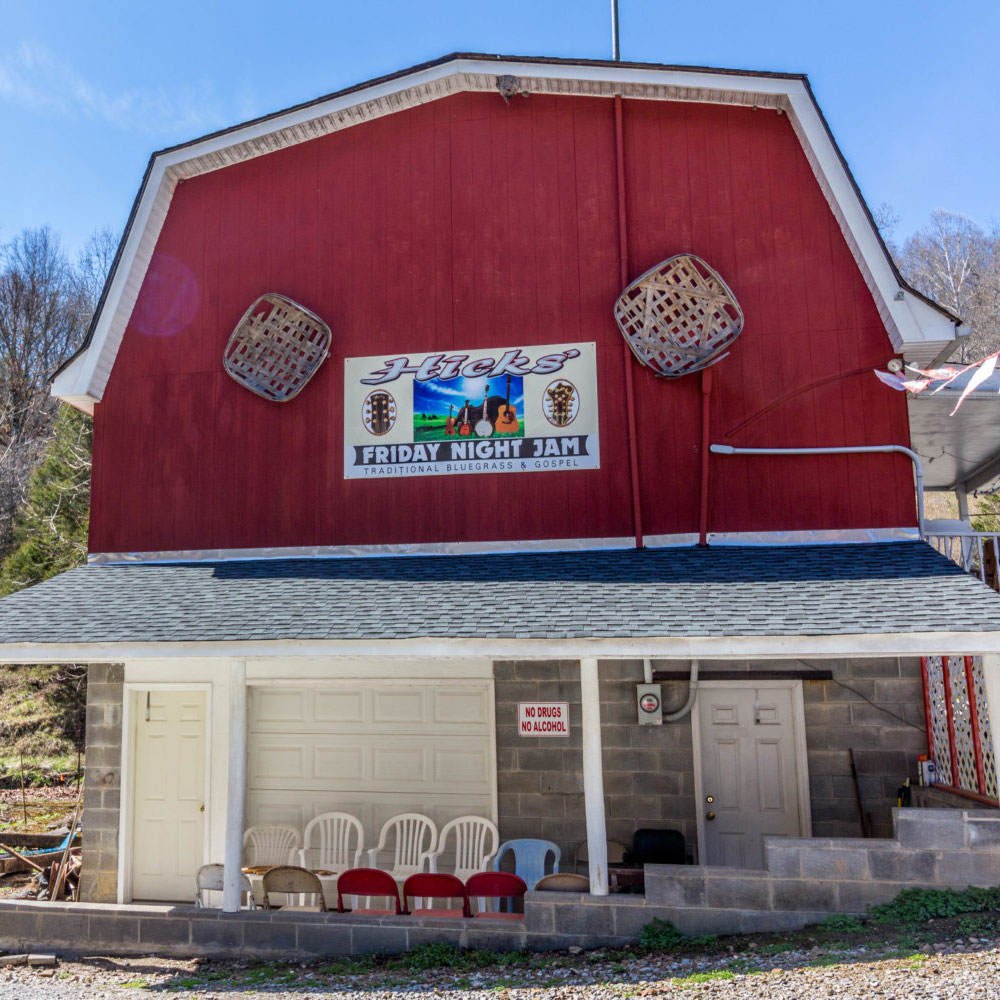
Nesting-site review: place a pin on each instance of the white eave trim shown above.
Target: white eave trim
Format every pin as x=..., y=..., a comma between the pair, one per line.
x=909, y=321
x=768, y=647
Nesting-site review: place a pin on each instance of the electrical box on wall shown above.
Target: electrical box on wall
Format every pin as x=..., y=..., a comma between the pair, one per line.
x=649, y=702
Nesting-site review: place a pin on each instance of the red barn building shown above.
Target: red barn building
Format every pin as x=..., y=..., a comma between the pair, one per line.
x=415, y=547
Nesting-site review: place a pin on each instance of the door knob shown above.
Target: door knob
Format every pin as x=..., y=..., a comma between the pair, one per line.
x=710, y=815
x=202, y=809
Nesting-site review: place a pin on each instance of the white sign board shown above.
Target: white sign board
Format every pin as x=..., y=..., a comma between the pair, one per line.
x=447, y=413
x=543, y=718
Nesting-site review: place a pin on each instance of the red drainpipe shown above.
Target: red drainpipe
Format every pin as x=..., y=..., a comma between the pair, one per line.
x=633, y=455
x=706, y=397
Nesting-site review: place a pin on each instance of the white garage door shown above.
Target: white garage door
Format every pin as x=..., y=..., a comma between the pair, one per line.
x=372, y=749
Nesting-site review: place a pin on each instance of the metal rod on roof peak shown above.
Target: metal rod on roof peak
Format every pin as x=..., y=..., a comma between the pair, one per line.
x=616, y=49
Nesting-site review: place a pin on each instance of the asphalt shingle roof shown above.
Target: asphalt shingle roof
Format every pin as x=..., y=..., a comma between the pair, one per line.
x=720, y=591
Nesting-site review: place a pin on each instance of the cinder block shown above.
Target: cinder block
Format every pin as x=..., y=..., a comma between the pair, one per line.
x=820, y=716
x=536, y=670
x=902, y=865
x=321, y=940
x=936, y=828
x=215, y=937
x=803, y=894
x=783, y=862
x=496, y=935
x=984, y=834
x=109, y=931
x=382, y=940
x=829, y=863
x=18, y=928
x=539, y=917
x=738, y=893
x=562, y=782
x=573, y=919
x=164, y=932
x=679, y=890
x=875, y=667
x=510, y=782
x=856, y=897
x=269, y=937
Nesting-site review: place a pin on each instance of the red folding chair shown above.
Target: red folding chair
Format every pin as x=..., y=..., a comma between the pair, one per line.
x=433, y=885
x=497, y=885
x=367, y=882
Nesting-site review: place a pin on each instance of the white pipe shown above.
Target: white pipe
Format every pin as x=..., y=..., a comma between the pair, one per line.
x=692, y=694
x=918, y=466
x=647, y=671
x=233, y=859
x=593, y=778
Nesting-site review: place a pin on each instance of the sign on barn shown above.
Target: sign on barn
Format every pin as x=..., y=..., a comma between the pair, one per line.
x=510, y=409
x=543, y=718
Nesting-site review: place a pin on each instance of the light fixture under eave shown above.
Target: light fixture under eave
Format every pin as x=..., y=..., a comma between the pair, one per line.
x=276, y=348
x=679, y=316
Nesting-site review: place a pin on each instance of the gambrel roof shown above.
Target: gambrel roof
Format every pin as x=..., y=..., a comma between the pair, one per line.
x=918, y=328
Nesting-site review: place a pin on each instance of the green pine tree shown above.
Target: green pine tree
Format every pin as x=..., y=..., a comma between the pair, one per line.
x=50, y=530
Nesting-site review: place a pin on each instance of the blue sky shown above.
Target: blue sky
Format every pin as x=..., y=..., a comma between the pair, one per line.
x=89, y=90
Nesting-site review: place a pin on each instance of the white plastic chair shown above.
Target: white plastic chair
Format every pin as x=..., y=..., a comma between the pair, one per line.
x=413, y=836
x=270, y=845
x=209, y=878
x=335, y=832
x=476, y=840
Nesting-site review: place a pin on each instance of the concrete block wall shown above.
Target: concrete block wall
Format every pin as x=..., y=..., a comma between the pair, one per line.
x=102, y=782
x=649, y=770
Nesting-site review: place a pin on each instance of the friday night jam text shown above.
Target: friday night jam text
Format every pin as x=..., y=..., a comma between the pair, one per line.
x=443, y=367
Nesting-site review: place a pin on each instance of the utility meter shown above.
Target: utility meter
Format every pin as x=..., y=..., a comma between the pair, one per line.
x=649, y=701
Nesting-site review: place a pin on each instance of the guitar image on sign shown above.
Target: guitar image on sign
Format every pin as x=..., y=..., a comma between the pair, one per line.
x=507, y=419
x=449, y=424
x=379, y=413
x=483, y=426
x=464, y=427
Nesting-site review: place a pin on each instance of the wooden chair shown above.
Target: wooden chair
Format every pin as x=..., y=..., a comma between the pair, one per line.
x=273, y=844
x=431, y=885
x=367, y=882
x=413, y=835
x=209, y=878
x=335, y=832
x=476, y=840
x=496, y=885
x=293, y=881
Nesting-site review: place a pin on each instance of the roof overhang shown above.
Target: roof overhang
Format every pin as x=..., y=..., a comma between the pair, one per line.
x=890, y=599
x=961, y=450
x=917, y=327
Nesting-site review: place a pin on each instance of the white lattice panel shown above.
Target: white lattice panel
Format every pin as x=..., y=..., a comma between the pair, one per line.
x=964, y=750
x=939, y=718
x=985, y=727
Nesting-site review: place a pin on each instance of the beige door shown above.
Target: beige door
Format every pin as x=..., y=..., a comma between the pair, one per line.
x=749, y=768
x=169, y=794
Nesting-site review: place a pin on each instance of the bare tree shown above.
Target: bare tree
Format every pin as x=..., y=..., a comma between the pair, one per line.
x=94, y=264
x=44, y=310
x=957, y=264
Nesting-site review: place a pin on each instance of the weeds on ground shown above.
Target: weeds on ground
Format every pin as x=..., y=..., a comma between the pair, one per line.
x=917, y=906
x=842, y=922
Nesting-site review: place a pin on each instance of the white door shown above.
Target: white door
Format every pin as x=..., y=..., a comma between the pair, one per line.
x=169, y=794
x=750, y=769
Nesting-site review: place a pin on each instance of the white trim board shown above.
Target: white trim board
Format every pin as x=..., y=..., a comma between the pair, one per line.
x=832, y=536
x=771, y=647
x=913, y=325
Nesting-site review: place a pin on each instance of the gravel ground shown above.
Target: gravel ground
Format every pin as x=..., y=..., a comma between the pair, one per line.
x=949, y=970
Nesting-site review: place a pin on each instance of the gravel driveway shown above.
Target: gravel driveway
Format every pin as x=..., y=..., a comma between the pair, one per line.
x=955, y=970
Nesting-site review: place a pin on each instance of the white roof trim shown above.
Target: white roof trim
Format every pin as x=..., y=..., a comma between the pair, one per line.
x=914, y=326
x=678, y=647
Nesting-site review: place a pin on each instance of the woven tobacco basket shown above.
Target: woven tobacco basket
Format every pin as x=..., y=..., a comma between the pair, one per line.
x=679, y=316
x=276, y=348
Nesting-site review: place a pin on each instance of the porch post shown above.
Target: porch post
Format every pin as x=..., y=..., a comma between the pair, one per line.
x=593, y=778
x=237, y=786
x=991, y=681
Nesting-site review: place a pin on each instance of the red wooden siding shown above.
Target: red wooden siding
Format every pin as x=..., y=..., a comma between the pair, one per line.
x=469, y=222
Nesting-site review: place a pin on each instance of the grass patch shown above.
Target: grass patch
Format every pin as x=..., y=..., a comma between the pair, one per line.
x=137, y=984
x=696, y=978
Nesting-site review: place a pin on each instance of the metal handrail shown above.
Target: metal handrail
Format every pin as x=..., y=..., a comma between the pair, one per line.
x=967, y=547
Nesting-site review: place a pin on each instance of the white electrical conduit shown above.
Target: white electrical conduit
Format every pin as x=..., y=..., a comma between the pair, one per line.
x=647, y=668
x=918, y=466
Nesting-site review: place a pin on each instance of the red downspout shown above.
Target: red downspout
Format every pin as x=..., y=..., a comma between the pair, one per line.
x=946, y=677
x=977, y=746
x=706, y=397
x=927, y=708
x=633, y=455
